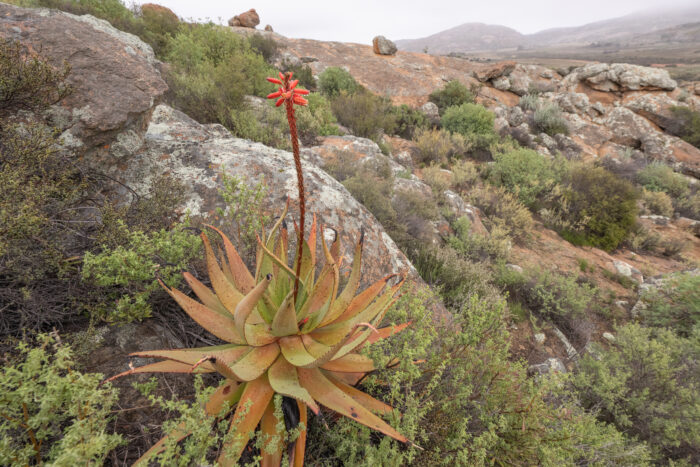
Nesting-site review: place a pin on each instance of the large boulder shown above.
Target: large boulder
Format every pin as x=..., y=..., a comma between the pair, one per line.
x=621, y=77
x=164, y=14
x=113, y=75
x=197, y=154
x=249, y=19
x=492, y=72
x=655, y=107
x=383, y=46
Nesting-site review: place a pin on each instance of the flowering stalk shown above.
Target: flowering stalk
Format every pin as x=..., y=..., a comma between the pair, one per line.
x=288, y=94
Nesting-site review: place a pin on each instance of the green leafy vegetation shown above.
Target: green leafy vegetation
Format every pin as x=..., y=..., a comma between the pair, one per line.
x=438, y=146
x=686, y=125
x=660, y=177
x=51, y=413
x=453, y=94
x=548, y=119
x=335, y=80
x=473, y=122
x=675, y=305
x=366, y=114
x=524, y=173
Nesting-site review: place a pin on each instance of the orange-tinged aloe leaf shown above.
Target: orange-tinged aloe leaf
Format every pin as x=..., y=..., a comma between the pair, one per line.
x=178, y=434
x=360, y=397
x=369, y=336
x=225, y=353
x=268, y=254
x=258, y=335
x=362, y=301
x=205, y=294
x=284, y=380
x=255, y=399
x=248, y=303
x=334, y=349
x=300, y=446
x=294, y=351
x=385, y=332
x=350, y=363
x=285, y=321
x=348, y=378
x=167, y=366
x=254, y=364
x=311, y=241
x=221, y=326
x=335, y=247
x=273, y=440
x=239, y=271
x=341, y=303
x=314, y=347
x=329, y=395
x=322, y=299
x=225, y=290
x=230, y=392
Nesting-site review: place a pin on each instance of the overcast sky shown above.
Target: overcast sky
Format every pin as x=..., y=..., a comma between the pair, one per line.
x=361, y=20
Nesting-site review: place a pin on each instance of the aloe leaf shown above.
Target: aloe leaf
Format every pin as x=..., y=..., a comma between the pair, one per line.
x=256, y=362
x=239, y=271
x=248, y=303
x=285, y=321
x=360, y=397
x=294, y=351
x=273, y=440
x=350, y=363
x=329, y=395
x=284, y=380
x=225, y=290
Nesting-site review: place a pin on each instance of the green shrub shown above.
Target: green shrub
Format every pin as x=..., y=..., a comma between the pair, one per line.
x=525, y=173
x=264, y=45
x=646, y=385
x=262, y=123
x=333, y=80
x=675, y=305
x=438, y=146
x=453, y=94
x=464, y=175
x=160, y=26
x=641, y=238
x=496, y=244
x=51, y=413
x=364, y=113
x=373, y=187
x=689, y=206
x=129, y=273
x=408, y=120
x=548, y=119
x=659, y=177
x=316, y=119
x=472, y=121
x=600, y=205
x=205, y=60
x=437, y=178
x=657, y=202
x=466, y=403
x=686, y=125
x=302, y=72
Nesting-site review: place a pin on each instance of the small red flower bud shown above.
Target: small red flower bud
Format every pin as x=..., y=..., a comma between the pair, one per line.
x=274, y=94
x=274, y=80
x=299, y=100
x=301, y=91
x=293, y=84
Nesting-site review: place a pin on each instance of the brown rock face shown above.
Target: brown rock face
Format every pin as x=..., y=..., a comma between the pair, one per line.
x=268, y=28
x=491, y=72
x=113, y=75
x=249, y=19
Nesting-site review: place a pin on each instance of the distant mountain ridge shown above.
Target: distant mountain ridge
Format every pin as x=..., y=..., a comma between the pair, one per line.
x=479, y=37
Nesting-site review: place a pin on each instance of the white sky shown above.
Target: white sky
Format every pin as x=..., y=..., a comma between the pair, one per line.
x=361, y=20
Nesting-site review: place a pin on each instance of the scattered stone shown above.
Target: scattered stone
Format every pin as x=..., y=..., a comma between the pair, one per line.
x=502, y=83
x=268, y=28
x=623, y=268
x=550, y=365
x=515, y=267
x=656, y=219
x=491, y=72
x=249, y=19
x=430, y=110
x=540, y=338
x=308, y=59
x=608, y=337
x=383, y=46
x=622, y=304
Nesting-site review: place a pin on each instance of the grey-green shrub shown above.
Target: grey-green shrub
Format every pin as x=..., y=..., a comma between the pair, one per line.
x=472, y=121
x=51, y=413
x=525, y=173
x=657, y=176
x=548, y=119
x=333, y=80
x=454, y=93
x=674, y=305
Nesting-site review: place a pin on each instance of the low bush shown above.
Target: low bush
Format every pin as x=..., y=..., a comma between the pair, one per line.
x=364, y=113
x=373, y=187
x=438, y=146
x=51, y=413
x=529, y=102
x=453, y=94
x=464, y=175
x=657, y=202
x=599, y=207
x=302, y=72
x=525, y=173
x=503, y=212
x=641, y=238
x=549, y=119
x=646, y=385
x=674, y=305
x=474, y=122
x=264, y=45
x=496, y=244
x=689, y=206
x=205, y=59
x=437, y=178
x=686, y=125
x=657, y=176
x=408, y=120
x=129, y=274
x=316, y=119
x=334, y=80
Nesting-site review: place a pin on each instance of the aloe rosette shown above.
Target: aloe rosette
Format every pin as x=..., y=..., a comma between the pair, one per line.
x=304, y=348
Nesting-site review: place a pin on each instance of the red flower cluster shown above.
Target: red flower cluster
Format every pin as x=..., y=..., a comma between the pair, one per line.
x=287, y=91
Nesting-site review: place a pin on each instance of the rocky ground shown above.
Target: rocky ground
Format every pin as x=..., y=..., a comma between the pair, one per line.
x=116, y=119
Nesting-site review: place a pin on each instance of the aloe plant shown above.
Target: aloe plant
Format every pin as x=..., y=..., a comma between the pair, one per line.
x=287, y=331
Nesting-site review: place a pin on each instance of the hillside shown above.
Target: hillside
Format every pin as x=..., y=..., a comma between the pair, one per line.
x=401, y=259
x=659, y=36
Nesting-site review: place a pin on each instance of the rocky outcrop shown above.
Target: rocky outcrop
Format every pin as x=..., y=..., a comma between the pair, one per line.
x=383, y=46
x=154, y=10
x=621, y=77
x=198, y=154
x=249, y=19
x=113, y=75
